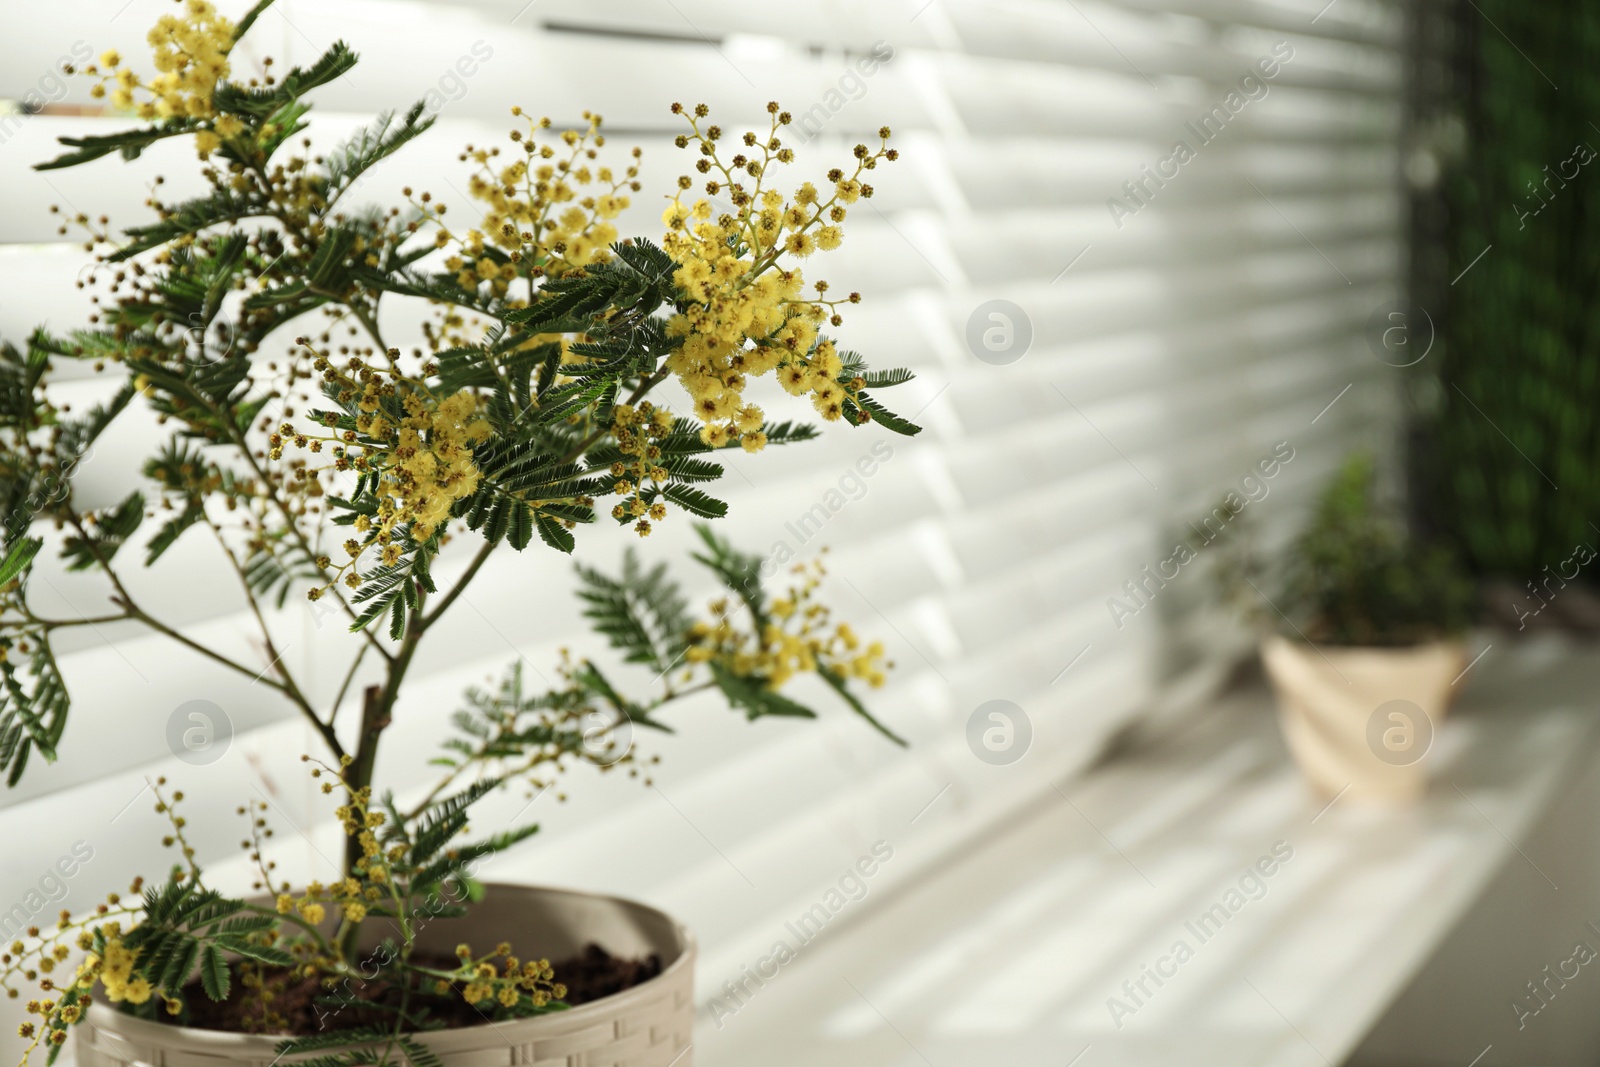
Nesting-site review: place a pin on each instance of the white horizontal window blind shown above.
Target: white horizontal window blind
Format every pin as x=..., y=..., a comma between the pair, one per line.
x=1130, y=251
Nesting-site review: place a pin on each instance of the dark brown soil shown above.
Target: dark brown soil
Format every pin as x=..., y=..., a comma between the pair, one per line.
x=309, y=1008
x=597, y=973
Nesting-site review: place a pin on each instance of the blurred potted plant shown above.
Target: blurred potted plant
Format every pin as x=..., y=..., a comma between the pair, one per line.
x=1362, y=638
x=338, y=467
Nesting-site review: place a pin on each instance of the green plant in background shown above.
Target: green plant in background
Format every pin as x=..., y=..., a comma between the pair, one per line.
x=1520, y=365
x=1353, y=576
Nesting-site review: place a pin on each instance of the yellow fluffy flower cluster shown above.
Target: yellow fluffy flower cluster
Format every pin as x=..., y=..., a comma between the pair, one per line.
x=116, y=973
x=308, y=906
x=749, y=315
x=190, y=55
x=544, y=214
x=362, y=823
x=41, y=960
x=799, y=637
x=347, y=893
x=428, y=466
x=507, y=982
x=422, y=455
x=636, y=430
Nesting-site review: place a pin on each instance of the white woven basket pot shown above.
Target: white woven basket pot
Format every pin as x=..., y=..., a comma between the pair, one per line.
x=1361, y=721
x=650, y=1025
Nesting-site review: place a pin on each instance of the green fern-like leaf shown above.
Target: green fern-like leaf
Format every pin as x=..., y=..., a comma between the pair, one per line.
x=110, y=531
x=372, y=145
x=188, y=219
x=393, y=591
x=626, y=291
x=555, y=535
x=643, y=613
x=754, y=697
x=865, y=408
x=445, y=819
x=172, y=529
x=33, y=708
x=214, y=978
x=260, y=953
x=269, y=102
x=694, y=501
x=461, y=858
x=331, y=1039
x=739, y=571
x=179, y=964
x=273, y=572
x=18, y=557
x=131, y=143
x=419, y=1054
x=842, y=687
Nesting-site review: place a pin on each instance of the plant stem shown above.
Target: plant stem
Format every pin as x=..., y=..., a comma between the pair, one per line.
x=344, y=687
x=289, y=918
x=124, y=599
x=460, y=586
x=96, y=620
x=443, y=783
x=290, y=688
x=238, y=440
x=377, y=712
x=645, y=385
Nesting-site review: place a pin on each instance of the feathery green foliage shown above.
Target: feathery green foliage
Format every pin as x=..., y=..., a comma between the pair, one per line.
x=1354, y=576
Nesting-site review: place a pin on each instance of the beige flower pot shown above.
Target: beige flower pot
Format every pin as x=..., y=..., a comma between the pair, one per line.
x=650, y=1025
x=1362, y=719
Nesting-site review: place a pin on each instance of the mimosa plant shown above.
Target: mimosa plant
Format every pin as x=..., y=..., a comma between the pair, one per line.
x=325, y=462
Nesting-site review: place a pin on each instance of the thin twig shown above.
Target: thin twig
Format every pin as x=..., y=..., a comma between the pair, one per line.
x=344, y=688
